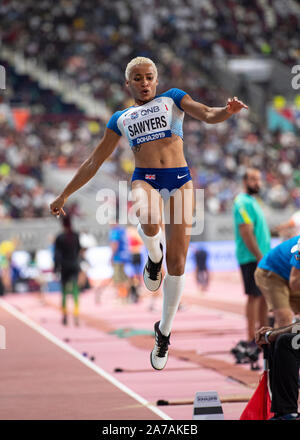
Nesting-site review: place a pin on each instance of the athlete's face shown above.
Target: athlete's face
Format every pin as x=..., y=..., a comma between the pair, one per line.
x=142, y=83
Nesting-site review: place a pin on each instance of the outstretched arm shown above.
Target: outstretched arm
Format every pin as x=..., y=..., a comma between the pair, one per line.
x=87, y=170
x=211, y=115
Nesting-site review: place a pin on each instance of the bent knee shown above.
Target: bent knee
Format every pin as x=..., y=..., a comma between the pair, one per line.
x=147, y=217
x=176, y=266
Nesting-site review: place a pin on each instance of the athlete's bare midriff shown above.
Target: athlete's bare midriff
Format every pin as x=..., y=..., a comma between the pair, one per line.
x=164, y=153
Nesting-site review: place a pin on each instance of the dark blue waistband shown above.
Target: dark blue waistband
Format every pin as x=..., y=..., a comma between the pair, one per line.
x=162, y=170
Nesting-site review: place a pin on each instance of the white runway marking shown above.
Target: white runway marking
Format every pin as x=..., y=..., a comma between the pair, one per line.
x=13, y=311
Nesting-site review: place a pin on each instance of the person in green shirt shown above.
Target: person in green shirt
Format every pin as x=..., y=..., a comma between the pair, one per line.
x=252, y=238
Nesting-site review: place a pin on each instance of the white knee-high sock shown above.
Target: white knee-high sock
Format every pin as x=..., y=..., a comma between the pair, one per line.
x=173, y=286
x=152, y=244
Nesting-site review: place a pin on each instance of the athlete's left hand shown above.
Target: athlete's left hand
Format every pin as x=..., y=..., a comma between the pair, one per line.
x=234, y=105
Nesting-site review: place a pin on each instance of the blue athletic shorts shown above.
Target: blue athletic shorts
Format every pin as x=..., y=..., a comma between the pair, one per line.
x=163, y=178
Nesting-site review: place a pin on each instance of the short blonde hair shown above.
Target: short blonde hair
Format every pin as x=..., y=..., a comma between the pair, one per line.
x=139, y=60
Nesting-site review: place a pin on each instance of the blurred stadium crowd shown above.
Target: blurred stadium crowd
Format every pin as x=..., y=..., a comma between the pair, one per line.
x=91, y=42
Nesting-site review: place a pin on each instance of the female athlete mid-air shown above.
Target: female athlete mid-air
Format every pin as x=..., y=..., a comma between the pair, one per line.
x=153, y=127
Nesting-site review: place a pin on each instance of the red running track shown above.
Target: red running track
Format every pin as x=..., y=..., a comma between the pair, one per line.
x=46, y=376
x=42, y=381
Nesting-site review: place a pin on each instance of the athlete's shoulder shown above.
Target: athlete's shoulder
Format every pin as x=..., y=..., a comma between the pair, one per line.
x=113, y=122
x=118, y=114
x=176, y=95
x=173, y=91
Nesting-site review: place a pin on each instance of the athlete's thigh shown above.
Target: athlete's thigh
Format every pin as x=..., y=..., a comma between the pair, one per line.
x=147, y=201
x=178, y=218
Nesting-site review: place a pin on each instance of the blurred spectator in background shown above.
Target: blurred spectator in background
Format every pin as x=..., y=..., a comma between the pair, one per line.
x=1, y=283
x=252, y=237
x=16, y=276
x=32, y=275
x=290, y=228
x=202, y=274
x=66, y=261
x=90, y=33
x=135, y=248
x=91, y=45
x=134, y=287
x=120, y=256
x=87, y=240
x=7, y=247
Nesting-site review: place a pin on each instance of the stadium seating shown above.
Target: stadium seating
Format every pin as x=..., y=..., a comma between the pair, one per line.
x=91, y=42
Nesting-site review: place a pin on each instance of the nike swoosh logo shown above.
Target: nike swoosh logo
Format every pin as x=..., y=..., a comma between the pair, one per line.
x=180, y=177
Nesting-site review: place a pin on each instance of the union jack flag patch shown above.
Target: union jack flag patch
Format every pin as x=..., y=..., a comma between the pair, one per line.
x=150, y=176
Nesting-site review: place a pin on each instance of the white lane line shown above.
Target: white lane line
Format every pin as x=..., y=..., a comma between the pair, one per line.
x=11, y=309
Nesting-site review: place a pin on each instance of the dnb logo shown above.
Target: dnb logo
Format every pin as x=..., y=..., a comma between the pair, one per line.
x=2, y=338
x=151, y=110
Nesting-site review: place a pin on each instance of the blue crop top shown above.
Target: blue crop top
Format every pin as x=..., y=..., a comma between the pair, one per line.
x=157, y=119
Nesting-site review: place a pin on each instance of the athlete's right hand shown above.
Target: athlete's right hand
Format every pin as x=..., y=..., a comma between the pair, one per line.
x=56, y=207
